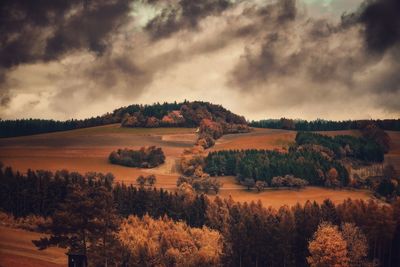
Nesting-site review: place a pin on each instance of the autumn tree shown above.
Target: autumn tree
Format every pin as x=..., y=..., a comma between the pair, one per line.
x=164, y=242
x=260, y=185
x=332, y=178
x=328, y=248
x=357, y=244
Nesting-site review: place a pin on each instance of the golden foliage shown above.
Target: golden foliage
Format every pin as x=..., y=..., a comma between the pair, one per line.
x=328, y=248
x=164, y=242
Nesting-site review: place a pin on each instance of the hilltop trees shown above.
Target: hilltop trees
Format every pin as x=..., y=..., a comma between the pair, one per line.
x=146, y=157
x=185, y=114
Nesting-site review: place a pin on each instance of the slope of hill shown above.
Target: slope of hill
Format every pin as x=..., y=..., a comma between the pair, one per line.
x=17, y=250
x=185, y=114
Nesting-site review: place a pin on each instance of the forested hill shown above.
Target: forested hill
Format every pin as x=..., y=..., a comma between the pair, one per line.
x=184, y=114
x=325, y=125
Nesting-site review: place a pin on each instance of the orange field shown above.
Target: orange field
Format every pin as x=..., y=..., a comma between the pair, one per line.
x=276, y=198
x=17, y=250
x=87, y=150
x=256, y=139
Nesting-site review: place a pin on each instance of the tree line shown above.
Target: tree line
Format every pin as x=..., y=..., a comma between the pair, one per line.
x=21, y=127
x=325, y=125
x=264, y=165
x=91, y=213
x=41, y=192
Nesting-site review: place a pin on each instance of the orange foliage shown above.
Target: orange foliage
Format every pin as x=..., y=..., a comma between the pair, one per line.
x=164, y=242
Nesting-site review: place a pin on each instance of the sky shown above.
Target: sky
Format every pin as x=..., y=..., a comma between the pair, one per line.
x=308, y=59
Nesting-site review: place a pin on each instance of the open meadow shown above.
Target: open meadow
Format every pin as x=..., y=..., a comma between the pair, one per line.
x=87, y=150
x=17, y=250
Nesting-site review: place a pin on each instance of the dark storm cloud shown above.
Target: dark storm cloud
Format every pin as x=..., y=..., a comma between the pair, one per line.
x=185, y=14
x=269, y=57
x=47, y=29
x=382, y=24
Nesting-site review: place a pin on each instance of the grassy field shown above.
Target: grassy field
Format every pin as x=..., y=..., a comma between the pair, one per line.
x=256, y=139
x=276, y=198
x=17, y=250
x=87, y=150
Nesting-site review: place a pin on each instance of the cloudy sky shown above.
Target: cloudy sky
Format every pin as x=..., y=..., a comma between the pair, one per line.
x=332, y=59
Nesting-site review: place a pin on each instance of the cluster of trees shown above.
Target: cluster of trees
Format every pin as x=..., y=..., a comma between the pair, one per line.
x=191, y=166
x=148, y=180
x=365, y=149
x=146, y=157
x=263, y=165
x=278, y=181
x=258, y=236
x=325, y=125
x=332, y=246
x=89, y=216
x=164, y=242
x=200, y=184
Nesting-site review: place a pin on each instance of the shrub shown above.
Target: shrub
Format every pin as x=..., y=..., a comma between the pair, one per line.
x=288, y=181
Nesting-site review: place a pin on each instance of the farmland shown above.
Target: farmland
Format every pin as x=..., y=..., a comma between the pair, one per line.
x=87, y=150
x=17, y=249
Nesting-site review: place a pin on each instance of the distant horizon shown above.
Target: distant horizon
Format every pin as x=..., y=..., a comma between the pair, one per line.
x=248, y=119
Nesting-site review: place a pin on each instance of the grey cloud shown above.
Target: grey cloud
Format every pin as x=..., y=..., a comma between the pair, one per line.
x=47, y=29
x=288, y=60
x=382, y=24
x=185, y=14
x=319, y=53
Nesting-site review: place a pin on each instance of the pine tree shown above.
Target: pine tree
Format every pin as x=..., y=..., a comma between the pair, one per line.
x=85, y=223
